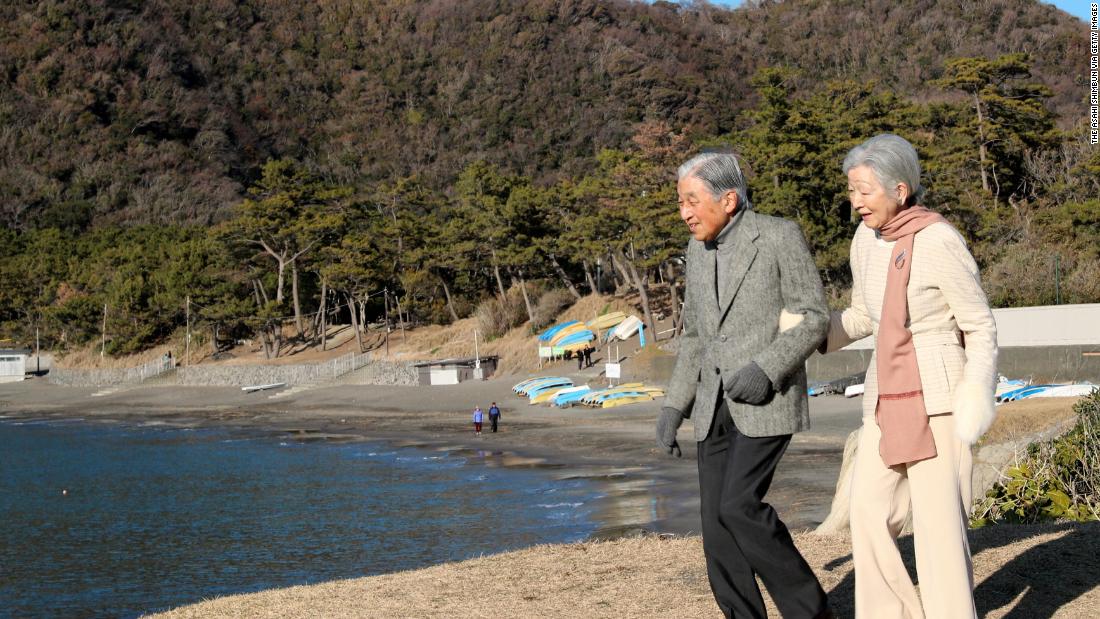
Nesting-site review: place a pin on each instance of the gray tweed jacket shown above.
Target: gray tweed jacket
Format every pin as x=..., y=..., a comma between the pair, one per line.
x=768, y=270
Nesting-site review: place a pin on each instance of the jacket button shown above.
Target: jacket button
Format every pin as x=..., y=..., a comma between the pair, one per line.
x=722, y=337
x=718, y=371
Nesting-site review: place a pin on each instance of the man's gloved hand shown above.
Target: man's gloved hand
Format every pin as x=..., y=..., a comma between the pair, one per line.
x=749, y=385
x=668, y=421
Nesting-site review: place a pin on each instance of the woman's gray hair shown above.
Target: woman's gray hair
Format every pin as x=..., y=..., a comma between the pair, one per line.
x=720, y=173
x=893, y=160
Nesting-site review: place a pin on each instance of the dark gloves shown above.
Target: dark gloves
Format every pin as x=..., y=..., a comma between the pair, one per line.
x=749, y=385
x=668, y=421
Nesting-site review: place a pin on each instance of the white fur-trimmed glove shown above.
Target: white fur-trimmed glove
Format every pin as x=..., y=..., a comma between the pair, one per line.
x=974, y=411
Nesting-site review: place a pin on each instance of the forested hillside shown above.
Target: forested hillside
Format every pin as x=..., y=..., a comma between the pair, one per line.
x=271, y=159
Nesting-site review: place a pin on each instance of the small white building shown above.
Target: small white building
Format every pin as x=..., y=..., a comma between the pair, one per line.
x=454, y=371
x=13, y=364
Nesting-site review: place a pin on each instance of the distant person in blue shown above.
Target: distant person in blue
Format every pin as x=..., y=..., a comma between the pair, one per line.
x=494, y=417
x=478, y=418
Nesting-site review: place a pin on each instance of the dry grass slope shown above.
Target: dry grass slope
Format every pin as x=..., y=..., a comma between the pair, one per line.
x=1048, y=571
x=517, y=348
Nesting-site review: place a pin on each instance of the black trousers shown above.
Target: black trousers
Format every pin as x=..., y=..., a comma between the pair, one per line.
x=493, y=419
x=742, y=535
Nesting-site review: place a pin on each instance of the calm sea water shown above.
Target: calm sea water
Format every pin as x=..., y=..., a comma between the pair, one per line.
x=115, y=520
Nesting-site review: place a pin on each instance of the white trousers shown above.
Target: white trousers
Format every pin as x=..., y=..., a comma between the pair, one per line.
x=938, y=490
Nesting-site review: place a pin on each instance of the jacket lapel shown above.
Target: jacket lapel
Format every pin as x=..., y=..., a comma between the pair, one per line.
x=701, y=269
x=739, y=260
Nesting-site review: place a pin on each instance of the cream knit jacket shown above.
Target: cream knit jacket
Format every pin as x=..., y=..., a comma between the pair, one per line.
x=947, y=311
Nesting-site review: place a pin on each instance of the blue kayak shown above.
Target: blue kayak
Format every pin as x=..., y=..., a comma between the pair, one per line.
x=1016, y=394
x=568, y=399
x=548, y=334
x=577, y=338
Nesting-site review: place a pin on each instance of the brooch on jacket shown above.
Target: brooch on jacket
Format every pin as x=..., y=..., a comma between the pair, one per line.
x=900, y=260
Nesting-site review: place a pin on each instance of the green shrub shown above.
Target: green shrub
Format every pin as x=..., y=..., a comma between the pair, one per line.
x=1056, y=480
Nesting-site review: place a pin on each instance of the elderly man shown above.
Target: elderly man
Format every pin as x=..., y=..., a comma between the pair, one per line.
x=754, y=310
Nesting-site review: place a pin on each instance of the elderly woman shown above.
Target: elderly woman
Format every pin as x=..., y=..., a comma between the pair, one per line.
x=929, y=390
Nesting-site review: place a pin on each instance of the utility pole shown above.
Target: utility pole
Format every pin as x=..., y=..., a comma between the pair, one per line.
x=187, y=312
x=1057, y=280
x=103, y=334
x=37, y=353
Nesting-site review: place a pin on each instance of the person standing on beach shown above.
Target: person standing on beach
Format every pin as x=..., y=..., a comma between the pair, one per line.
x=478, y=417
x=494, y=417
x=754, y=311
x=927, y=399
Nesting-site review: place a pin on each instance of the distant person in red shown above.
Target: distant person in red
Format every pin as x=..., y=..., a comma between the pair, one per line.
x=478, y=418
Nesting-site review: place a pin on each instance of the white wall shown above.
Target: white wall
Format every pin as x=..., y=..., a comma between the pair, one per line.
x=1044, y=325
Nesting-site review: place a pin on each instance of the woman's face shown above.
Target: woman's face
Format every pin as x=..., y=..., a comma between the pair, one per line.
x=874, y=203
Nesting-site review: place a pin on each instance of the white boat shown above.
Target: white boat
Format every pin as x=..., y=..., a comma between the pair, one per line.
x=252, y=388
x=627, y=328
x=852, y=391
x=1066, y=391
x=1004, y=385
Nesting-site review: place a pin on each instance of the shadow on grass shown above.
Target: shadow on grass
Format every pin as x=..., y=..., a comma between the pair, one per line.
x=1044, y=577
x=1035, y=583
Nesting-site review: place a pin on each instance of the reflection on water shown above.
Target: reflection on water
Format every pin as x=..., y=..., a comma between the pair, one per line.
x=116, y=520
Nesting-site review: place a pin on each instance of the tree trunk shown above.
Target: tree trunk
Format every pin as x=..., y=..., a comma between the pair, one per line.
x=355, y=321
x=496, y=271
x=981, y=142
x=280, y=281
x=588, y=276
x=400, y=320
x=320, y=322
x=618, y=259
x=450, y=302
x=297, y=303
x=564, y=277
x=324, y=326
x=526, y=299
x=674, y=299
x=262, y=331
x=640, y=285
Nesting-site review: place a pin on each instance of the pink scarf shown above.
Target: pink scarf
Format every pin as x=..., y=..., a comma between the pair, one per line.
x=900, y=412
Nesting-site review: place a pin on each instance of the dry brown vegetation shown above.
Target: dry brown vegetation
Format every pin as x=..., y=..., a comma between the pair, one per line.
x=1049, y=571
x=516, y=348
x=1024, y=418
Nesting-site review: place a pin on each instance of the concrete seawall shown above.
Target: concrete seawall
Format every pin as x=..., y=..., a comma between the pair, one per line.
x=373, y=373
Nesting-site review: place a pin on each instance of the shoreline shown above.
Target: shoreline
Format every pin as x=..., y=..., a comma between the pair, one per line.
x=644, y=490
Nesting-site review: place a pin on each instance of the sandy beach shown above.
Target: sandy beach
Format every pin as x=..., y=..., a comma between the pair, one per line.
x=644, y=488
x=1044, y=571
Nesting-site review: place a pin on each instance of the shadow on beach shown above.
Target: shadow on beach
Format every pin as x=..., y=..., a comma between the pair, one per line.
x=1030, y=584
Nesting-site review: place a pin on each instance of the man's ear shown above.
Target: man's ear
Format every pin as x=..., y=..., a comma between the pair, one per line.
x=730, y=202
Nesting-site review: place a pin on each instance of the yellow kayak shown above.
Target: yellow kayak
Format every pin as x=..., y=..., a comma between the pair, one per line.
x=549, y=394
x=576, y=347
x=589, y=398
x=560, y=335
x=606, y=321
x=628, y=400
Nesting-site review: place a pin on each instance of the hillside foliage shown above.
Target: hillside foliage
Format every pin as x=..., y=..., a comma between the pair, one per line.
x=255, y=164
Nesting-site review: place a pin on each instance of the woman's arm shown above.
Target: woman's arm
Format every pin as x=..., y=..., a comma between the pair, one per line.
x=853, y=323
x=959, y=281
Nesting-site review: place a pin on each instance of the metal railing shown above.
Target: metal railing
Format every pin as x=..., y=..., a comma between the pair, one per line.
x=349, y=363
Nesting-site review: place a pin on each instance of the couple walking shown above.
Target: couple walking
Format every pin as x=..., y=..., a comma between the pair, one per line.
x=755, y=310
x=479, y=417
